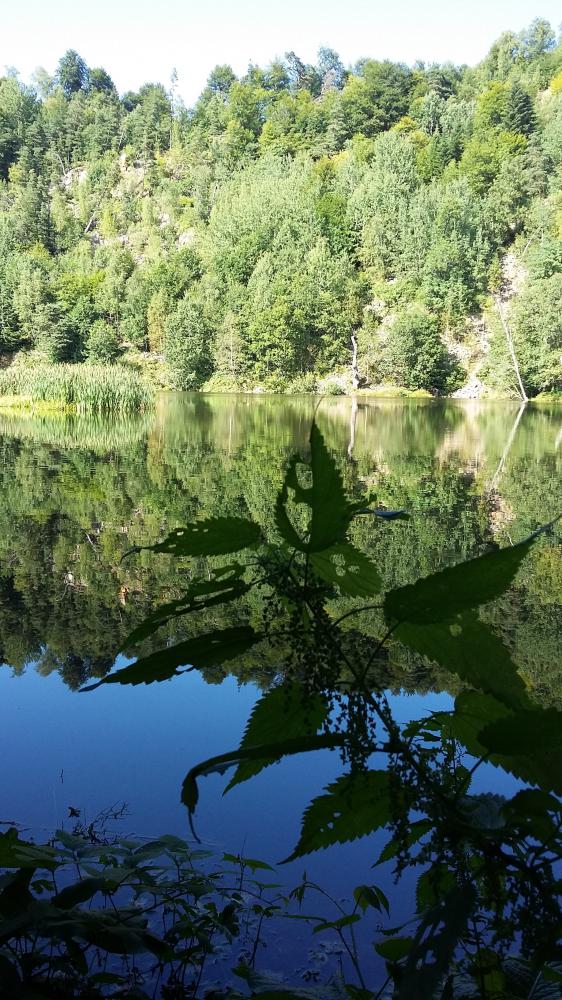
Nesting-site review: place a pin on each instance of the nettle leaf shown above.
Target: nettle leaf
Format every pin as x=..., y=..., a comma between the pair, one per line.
x=433, y=885
x=415, y=833
x=288, y=709
x=208, y=650
x=353, y=806
x=468, y=648
x=331, y=512
x=474, y=712
x=523, y=732
x=265, y=755
x=350, y=569
x=213, y=536
x=224, y=586
x=443, y=595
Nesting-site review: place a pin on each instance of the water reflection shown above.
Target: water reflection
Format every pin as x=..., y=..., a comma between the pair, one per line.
x=77, y=492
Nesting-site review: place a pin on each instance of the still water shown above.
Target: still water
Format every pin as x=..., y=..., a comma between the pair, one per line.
x=77, y=492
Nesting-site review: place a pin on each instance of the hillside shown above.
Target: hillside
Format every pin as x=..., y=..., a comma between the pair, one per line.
x=252, y=240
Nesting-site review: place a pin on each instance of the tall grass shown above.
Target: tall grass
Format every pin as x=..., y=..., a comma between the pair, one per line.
x=81, y=387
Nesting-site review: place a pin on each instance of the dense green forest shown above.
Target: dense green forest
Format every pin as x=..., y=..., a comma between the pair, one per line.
x=292, y=218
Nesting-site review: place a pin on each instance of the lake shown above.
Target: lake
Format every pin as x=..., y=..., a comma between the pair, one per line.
x=77, y=492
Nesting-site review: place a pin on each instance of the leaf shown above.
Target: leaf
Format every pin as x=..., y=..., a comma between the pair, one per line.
x=442, y=595
x=16, y=853
x=435, y=943
x=207, y=650
x=350, y=569
x=473, y=713
x=467, y=647
x=433, y=885
x=415, y=833
x=213, y=536
x=349, y=918
x=523, y=732
x=395, y=949
x=371, y=895
x=286, y=708
x=331, y=512
x=269, y=753
x=224, y=586
x=80, y=892
x=354, y=806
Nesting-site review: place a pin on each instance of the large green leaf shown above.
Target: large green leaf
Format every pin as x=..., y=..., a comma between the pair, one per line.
x=443, y=595
x=212, y=536
x=268, y=753
x=224, y=586
x=288, y=709
x=525, y=733
x=350, y=569
x=474, y=714
x=353, y=806
x=208, y=650
x=330, y=510
x=467, y=647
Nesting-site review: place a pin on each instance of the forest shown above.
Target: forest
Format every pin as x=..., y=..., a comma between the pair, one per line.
x=295, y=218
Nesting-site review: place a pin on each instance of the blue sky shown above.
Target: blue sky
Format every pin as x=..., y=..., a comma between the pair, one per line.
x=141, y=40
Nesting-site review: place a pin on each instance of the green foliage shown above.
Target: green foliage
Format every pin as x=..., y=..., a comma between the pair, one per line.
x=304, y=196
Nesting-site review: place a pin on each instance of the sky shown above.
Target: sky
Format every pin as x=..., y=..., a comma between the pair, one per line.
x=138, y=41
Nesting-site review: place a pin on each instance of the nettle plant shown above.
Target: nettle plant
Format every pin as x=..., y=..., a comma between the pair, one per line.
x=487, y=884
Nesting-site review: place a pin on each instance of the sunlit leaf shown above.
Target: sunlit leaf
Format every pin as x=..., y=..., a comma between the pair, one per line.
x=353, y=806
x=350, y=569
x=208, y=650
x=468, y=648
x=212, y=536
x=287, y=708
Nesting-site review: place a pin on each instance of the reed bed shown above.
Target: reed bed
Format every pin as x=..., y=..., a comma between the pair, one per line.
x=98, y=388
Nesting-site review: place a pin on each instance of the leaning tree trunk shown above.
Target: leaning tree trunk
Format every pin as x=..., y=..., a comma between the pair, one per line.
x=511, y=349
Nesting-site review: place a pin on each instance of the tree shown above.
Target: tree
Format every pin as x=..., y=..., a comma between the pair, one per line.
x=187, y=345
x=100, y=81
x=72, y=73
x=414, y=355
